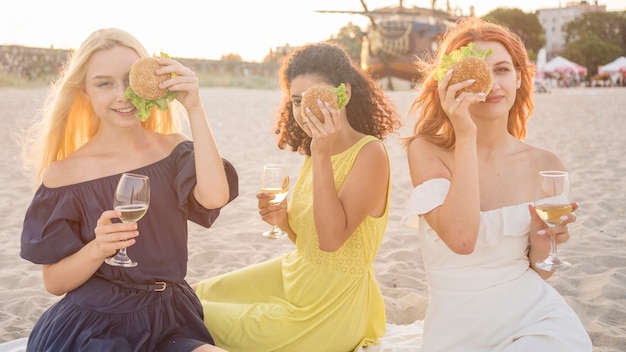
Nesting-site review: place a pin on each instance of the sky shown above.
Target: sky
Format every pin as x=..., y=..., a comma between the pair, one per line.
x=210, y=29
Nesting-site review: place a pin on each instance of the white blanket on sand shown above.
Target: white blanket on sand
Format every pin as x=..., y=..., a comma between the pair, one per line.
x=399, y=338
x=18, y=345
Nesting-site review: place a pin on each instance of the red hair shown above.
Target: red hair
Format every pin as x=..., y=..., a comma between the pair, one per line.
x=432, y=121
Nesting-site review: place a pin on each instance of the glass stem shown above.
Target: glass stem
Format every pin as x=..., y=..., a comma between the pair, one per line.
x=553, y=246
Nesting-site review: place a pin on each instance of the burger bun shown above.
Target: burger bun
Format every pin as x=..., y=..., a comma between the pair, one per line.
x=310, y=97
x=144, y=81
x=472, y=68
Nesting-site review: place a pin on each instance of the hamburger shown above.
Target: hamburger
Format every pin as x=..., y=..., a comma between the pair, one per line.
x=466, y=63
x=336, y=97
x=143, y=87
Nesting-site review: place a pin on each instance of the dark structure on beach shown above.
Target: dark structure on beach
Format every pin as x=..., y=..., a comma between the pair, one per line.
x=397, y=35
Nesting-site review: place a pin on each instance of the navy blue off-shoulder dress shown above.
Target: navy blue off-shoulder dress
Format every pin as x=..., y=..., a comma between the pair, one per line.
x=118, y=309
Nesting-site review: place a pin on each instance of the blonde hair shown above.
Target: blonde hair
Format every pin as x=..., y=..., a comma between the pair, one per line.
x=67, y=120
x=432, y=121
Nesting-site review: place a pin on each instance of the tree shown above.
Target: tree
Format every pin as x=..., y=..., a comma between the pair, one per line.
x=526, y=25
x=595, y=38
x=591, y=52
x=231, y=57
x=607, y=26
x=350, y=38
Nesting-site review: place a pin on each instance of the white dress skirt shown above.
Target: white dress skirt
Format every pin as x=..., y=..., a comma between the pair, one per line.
x=490, y=300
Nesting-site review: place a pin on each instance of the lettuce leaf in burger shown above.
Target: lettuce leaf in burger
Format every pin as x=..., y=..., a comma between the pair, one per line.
x=337, y=97
x=466, y=63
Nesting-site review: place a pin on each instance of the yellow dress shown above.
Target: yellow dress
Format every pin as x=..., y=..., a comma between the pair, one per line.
x=306, y=300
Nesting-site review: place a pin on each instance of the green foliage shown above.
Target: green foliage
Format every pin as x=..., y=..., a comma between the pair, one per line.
x=10, y=80
x=591, y=52
x=231, y=57
x=526, y=25
x=609, y=27
x=595, y=38
x=592, y=39
x=350, y=38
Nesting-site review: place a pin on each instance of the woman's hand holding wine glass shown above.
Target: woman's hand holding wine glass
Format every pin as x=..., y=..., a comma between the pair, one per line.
x=553, y=203
x=132, y=199
x=274, y=180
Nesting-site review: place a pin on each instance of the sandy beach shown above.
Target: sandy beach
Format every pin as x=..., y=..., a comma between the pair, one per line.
x=585, y=126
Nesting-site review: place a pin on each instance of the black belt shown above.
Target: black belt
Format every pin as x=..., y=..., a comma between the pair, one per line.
x=157, y=286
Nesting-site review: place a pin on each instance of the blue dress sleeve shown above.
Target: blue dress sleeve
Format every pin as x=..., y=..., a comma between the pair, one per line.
x=186, y=180
x=55, y=225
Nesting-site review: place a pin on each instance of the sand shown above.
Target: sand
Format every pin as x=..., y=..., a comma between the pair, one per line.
x=583, y=125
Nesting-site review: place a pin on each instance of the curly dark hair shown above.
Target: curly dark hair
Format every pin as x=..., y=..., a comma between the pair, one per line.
x=369, y=110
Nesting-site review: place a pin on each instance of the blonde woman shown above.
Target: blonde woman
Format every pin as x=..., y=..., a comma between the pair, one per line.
x=86, y=137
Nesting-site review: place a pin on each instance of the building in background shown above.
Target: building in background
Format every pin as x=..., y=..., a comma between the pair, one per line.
x=553, y=21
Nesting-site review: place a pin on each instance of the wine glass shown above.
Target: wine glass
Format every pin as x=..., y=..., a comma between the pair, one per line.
x=553, y=200
x=132, y=198
x=274, y=180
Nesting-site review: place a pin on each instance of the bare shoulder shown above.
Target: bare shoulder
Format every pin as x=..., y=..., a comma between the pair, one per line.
x=97, y=159
x=376, y=148
x=373, y=155
x=174, y=139
x=544, y=159
x=52, y=173
x=418, y=144
x=427, y=160
x=371, y=165
x=66, y=172
x=422, y=147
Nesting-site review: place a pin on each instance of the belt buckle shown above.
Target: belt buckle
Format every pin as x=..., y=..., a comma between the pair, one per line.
x=162, y=288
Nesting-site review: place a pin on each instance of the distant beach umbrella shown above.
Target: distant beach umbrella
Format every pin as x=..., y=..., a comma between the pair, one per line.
x=615, y=66
x=560, y=64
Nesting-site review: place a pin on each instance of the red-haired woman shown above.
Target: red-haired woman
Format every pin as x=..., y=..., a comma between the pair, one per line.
x=474, y=180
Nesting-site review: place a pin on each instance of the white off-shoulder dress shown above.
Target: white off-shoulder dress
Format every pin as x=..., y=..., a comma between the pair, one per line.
x=489, y=300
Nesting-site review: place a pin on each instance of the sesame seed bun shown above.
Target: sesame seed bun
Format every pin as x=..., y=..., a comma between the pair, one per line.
x=310, y=96
x=472, y=68
x=144, y=81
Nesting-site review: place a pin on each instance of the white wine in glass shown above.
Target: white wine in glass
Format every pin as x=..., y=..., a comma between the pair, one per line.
x=132, y=199
x=553, y=200
x=274, y=180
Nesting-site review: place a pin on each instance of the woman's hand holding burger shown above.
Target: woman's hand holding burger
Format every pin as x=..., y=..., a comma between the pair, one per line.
x=464, y=78
x=154, y=82
x=320, y=108
x=183, y=82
